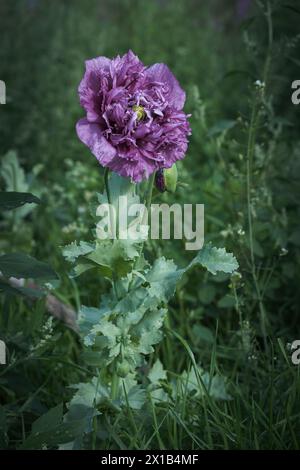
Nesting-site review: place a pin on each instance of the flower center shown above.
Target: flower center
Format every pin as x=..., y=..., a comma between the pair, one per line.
x=140, y=112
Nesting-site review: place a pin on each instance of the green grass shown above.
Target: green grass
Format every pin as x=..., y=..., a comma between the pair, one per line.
x=247, y=175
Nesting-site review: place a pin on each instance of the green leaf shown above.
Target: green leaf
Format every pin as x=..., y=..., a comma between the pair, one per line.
x=215, y=259
x=90, y=394
x=157, y=286
x=158, y=395
x=81, y=268
x=228, y=301
x=148, y=330
x=157, y=372
x=218, y=388
x=78, y=420
x=20, y=265
x=73, y=251
x=111, y=257
x=88, y=317
x=215, y=386
x=11, y=200
x=136, y=397
x=49, y=420
x=163, y=278
x=111, y=333
x=114, y=257
x=130, y=393
x=15, y=181
x=49, y=430
x=12, y=173
x=202, y=333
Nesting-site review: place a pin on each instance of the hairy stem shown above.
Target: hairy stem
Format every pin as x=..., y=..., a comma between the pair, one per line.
x=148, y=200
x=113, y=223
x=114, y=385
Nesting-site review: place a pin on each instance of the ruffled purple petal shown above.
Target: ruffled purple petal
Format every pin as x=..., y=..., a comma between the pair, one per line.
x=136, y=170
x=161, y=73
x=91, y=135
x=91, y=86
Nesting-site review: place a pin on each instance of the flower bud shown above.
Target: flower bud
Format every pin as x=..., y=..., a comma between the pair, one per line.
x=123, y=369
x=166, y=179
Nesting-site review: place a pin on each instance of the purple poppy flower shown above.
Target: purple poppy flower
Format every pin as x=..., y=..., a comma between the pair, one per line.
x=134, y=122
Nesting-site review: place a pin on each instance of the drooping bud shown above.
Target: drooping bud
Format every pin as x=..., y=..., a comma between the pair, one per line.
x=166, y=179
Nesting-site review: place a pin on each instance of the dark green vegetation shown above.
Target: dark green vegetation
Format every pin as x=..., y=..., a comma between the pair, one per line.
x=243, y=163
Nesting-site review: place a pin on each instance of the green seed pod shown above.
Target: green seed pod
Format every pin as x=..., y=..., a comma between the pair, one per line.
x=171, y=176
x=123, y=369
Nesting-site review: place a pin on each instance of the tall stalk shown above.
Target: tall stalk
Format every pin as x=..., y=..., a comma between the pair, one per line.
x=249, y=159
x=258, y=98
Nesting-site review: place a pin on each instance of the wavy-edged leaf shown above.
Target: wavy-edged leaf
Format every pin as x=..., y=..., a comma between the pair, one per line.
x=11, y=199
x=215, y=259
x=73, y=251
